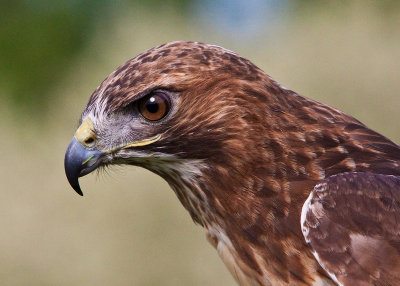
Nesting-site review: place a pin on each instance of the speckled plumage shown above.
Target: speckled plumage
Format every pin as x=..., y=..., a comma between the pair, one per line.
x=243, y=154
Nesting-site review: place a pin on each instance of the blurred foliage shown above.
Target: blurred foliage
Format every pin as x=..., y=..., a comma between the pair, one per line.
x=39, y=39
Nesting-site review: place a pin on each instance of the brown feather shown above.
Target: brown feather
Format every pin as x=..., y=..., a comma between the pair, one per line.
x=352, y=224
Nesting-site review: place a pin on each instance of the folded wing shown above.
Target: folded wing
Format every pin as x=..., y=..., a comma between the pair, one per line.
x=351, y=222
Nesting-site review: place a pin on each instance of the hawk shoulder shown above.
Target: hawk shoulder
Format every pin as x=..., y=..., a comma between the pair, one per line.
x=351, y=223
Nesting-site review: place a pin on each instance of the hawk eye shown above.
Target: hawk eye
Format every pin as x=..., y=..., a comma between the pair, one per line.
x=154, y=106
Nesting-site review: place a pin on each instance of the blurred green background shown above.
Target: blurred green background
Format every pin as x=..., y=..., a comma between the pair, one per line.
x=129, y=229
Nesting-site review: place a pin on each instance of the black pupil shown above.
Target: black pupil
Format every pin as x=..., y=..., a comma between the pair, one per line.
x=152, y=105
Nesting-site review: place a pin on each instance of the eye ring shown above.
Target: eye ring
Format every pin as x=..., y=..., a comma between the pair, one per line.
x=154, y=106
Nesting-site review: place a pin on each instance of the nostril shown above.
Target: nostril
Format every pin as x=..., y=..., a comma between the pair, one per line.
x=89, y=141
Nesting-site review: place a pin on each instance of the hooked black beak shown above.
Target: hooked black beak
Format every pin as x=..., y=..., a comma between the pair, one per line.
x=79, y=161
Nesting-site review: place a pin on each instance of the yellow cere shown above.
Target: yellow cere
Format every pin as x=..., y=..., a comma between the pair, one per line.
x=85, y=131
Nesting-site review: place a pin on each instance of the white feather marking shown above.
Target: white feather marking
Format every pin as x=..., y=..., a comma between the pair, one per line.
x=304, y=210
x=306, y=229
x=333, y=276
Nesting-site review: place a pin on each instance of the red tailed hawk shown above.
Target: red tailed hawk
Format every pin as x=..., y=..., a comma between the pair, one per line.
x=289, y=191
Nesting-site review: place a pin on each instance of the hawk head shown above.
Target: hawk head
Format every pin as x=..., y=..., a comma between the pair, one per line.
x=187, y=111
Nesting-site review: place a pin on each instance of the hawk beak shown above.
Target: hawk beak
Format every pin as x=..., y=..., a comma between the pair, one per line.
x=79, y=161
x=80, y=158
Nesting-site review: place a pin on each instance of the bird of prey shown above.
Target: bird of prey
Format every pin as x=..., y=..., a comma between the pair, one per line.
x=289, y=191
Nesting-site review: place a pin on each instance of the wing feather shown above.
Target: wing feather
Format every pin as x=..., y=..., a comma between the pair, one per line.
x=350, y=222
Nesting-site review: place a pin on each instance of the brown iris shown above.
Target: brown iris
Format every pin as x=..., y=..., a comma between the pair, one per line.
x=154, y=106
